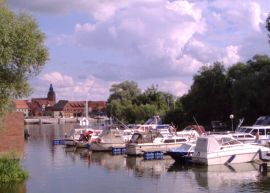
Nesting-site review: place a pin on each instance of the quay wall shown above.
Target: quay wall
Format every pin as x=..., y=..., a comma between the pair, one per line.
x=50, y=120
x=12, y=134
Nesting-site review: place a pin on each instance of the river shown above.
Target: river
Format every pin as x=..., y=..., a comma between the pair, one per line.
x=56, y=169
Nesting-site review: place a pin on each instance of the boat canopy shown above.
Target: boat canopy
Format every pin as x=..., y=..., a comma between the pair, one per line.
x=262, y=121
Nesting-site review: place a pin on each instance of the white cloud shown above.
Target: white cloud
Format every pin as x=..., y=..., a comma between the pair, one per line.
x=178, y=88
x=232, y=55
x=142, y=40
x=67, y=88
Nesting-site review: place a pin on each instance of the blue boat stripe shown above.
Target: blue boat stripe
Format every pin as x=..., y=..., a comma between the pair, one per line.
x=230, y=159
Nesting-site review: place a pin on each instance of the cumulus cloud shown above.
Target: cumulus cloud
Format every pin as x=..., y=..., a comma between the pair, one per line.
x=67, y=88
x=174, y=86
x=142, y=40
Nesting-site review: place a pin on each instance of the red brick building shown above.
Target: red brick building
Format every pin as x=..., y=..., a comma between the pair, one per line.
x=22, y=106
x=43, y=106
x=65, y=108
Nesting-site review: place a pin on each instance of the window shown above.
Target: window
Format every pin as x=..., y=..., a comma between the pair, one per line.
x=169, y=141
x=254, y=131
x=181, y=140
x=261, y=131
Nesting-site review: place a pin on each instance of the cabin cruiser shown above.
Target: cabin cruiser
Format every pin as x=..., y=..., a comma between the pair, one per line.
x=224, y=149
x=82, y=137
x=192, y=132
x=161, y=140
x=182, y=153
x=111, y=138
x=257, y=133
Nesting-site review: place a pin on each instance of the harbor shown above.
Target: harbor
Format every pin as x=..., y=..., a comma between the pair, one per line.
x=70, y=169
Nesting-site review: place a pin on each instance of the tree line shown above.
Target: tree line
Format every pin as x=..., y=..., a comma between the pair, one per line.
x=242, y=90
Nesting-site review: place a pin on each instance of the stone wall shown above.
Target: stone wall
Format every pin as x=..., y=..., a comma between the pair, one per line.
x=12, y=134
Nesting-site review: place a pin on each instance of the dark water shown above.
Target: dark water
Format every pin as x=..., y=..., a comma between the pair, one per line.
x=55, y=169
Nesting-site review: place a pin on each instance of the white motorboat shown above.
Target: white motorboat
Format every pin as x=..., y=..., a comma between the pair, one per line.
x=191, y=132
x=109, y=139
x=154, y=141
x=224, y=149
x=257, y=133
x=82, y=137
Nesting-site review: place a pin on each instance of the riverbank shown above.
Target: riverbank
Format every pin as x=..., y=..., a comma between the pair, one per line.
x=51, y=120
x=11, y=171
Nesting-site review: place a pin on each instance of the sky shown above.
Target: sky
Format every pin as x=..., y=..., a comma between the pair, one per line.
x=96, y=43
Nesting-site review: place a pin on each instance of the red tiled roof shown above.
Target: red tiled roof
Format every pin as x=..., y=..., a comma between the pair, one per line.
x=21, y=104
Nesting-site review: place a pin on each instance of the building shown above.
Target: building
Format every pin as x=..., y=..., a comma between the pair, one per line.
x=65, y=108
x=43, y=106
x=22, y=106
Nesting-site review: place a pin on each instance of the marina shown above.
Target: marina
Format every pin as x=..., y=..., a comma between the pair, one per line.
x=67, y=170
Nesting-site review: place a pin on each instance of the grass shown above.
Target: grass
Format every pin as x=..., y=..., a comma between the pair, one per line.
x=11, y=171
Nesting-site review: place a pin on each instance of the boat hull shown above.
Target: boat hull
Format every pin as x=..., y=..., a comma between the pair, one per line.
x=140, y=149
x=106, y=146
x=229, y=158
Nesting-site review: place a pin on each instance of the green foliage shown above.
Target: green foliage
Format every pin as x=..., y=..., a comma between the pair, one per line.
x=268, y=24
x=250, y=90
x=125, y=91
x=22, y=54
x=10, y=170
x=128, y=104
x=208, y=98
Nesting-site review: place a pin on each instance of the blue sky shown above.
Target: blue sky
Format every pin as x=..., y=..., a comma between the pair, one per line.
x=94, y=44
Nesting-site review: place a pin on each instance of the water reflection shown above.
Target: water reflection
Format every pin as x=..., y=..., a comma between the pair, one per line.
x=13, y=188
x=138, y=166
x=219, y=176
x=150, y=168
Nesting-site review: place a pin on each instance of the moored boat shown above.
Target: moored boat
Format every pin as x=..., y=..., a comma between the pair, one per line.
x=183, y=153
x=108, y=139
x=224, y=149
x=161, y=140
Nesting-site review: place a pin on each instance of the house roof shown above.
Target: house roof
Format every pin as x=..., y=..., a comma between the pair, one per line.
x=21, y=104
x=97, y=104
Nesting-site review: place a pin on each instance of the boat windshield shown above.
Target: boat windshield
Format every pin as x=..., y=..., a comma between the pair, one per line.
x=248, y=130
x=242, y=129
x=228, y=141
x=186, y=147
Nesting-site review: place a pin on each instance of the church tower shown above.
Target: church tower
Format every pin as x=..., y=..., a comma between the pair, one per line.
x=51, y=94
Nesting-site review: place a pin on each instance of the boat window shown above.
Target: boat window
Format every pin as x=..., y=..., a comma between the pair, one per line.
x=242, y=129
x=181, y=140
x=169, y=141
x=240, y=136
x=233, y=142
x=248, y=130
x=186, y=148
x=228, y=141
x=254, y=131
x=267, y=131
x=261, y=131
x=249, y=136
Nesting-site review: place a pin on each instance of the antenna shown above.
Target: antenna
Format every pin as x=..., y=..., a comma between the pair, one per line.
x=195, y=120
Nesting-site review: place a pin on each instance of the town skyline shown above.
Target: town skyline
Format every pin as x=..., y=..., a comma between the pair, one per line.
x=94, y=44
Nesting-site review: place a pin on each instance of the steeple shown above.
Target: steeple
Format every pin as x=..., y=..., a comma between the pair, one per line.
x=51, y=94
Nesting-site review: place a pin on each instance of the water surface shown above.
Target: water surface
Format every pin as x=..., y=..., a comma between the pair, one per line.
x=56, y=169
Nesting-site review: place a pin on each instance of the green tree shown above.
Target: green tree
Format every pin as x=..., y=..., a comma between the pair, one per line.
x=250, y=87
x=208, y=98
x=125, y=91
x=128, y=104
x=268, y=25
x=22, y=54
